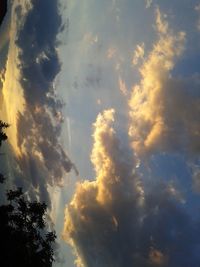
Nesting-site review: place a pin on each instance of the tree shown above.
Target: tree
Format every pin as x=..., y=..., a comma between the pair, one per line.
x=25, y=238
x=3, y=136
x=3, y=10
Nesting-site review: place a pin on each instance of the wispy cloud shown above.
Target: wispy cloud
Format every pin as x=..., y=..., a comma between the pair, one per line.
x=148, y=3
x=197, y=9
x=138, y=54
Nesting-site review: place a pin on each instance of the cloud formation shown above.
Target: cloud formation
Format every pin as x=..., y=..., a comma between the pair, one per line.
x=92, y=216
x=164, y=109
x=115, y=220
x=40, y=158
x=112, y=221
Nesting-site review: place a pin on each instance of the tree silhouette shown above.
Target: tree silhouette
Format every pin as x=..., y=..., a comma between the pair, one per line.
x=25, y=239
x=3, y=136
x=2, y=178
x=3, y=10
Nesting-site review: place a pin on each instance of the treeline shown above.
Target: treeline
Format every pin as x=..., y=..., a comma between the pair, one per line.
x=3, y=10
x=26, y=239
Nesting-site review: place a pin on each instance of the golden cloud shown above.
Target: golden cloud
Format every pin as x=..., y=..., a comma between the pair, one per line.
x=155, y=95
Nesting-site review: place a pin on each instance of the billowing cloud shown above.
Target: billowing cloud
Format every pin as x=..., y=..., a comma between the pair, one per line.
x=165, y=109
x=113, y=221
x=39, y=127
x=94, y=208
x=40, y=158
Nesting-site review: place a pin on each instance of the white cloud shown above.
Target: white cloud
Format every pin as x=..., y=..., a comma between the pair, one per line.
x=138, y=54
x=148, y=3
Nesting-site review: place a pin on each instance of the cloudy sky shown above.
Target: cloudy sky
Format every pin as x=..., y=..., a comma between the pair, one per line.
x=103, y=98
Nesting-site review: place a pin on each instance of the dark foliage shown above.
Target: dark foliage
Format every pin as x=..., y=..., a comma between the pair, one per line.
x=25, y=240
x=3, y=10
x=2, y=178
x=3, y=136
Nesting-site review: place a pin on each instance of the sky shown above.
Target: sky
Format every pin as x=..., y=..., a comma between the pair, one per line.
x=103, y=99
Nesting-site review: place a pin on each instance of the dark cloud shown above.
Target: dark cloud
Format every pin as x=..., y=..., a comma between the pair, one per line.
x=38, y=59
x=93, y=76
x=42, y=160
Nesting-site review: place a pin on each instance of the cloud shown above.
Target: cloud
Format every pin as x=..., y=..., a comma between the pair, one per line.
x=93, y=206
x=40, y=64
x=148, y=3
x=122, y=86
x=93, y=77
x=114, y=221
x=89, y=38
x=41, y=160
x=197, y=9
x=138, y=54
x=164, y=110
x=111, y=53
x=195, y=177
